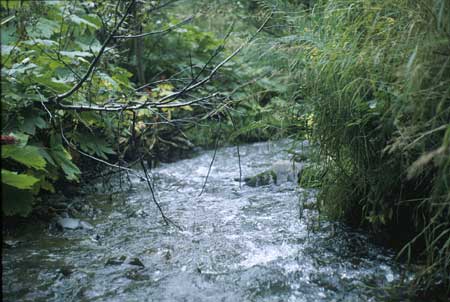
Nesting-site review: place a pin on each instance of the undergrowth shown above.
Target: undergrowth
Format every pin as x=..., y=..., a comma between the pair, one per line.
x=372, y=79
x=377, y=78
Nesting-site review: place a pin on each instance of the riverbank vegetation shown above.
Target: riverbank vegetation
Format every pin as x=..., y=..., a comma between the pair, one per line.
x=377, y=80
x=116, y=83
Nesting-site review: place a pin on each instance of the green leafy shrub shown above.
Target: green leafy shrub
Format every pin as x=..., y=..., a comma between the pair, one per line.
x=47, y=46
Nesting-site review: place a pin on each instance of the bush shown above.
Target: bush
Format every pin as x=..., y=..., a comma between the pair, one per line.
x=377, y=77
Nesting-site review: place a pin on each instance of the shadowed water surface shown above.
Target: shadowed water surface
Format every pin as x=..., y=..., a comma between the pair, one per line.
x=237, y=244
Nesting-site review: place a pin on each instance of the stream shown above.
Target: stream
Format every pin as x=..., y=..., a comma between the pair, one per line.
x=237, y=243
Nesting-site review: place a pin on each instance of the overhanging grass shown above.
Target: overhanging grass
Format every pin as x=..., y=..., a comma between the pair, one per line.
x=377, y=77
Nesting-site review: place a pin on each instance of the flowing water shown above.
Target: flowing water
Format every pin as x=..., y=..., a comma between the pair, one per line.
x=237, y=244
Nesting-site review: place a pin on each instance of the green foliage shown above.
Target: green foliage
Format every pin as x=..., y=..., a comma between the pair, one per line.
x=20, y=181
x=26, y=155
x=47, y=46
x=37, y=63
x=375, y=78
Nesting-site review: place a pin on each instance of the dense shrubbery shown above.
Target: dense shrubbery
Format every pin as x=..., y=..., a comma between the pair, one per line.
x=47, y=47
x=376, y=78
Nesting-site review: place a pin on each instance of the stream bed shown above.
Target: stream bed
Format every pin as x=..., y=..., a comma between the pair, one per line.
x=238, y=243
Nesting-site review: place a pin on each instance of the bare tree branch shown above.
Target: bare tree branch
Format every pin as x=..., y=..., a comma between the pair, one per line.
x=78, y=85
x=164, y=101
x=128, y=107
x=159, y=32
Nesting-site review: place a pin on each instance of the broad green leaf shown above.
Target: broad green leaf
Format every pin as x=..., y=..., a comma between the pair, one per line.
x=95, y=146
x=46, y=185
x=20, y=181
x=26, y=155
x=94, y=19
x=68, y=80
x=78, y=20
x=108, y=81
x=47, y=156
x=44, y=28
x=50, y=84
x=31, y=121
x=64, y=160
x=19, y=68
x=88, y=45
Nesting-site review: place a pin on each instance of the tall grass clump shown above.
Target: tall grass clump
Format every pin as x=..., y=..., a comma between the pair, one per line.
x=376, y=75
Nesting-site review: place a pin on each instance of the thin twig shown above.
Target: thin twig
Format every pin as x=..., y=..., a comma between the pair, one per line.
x=158, y=32
x=78, y=85
x=166, y=219
x=210, y=165
x=91, y=156
x=161, y=103
x=237, y=149
x=128, y=107
x=239, y=163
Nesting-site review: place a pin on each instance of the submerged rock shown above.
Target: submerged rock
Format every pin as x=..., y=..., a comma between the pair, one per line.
x=281, y=171
x=286, y=170
x=86, y=225
x=73, y=223
x=69, y=223
x=116, y=260
x=136, y=275
x=10, y=243
x=136, y=261
x=66, y=271
x=121, y=260
x=261, y=179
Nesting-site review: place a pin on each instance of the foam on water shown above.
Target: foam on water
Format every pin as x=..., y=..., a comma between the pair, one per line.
x=237, y=244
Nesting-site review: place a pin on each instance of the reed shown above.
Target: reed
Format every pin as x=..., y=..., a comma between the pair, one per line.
x=376, y=75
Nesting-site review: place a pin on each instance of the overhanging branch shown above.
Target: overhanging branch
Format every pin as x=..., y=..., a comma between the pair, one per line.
x=163, y=102
x=94, y=62
x=158, y=32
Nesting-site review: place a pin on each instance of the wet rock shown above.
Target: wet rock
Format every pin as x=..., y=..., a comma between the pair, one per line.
x=261, y=179
x=139, y=213
x=168, y=255
x=136, y=261
x=116, y=260
x=64, y=215
x=68, y=223
x=122, y=259
x=136, y=275
x=95, y=238
x=281, y=171
x=10, y=243
x=86, y=225
x=287, y=171
x=73, y=212
x=45, y=213
x=66, y=271
x=73, y=223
